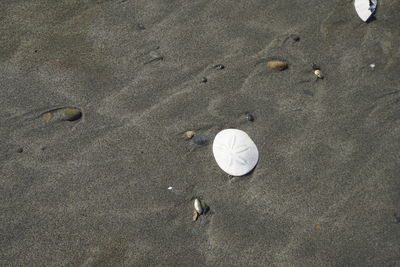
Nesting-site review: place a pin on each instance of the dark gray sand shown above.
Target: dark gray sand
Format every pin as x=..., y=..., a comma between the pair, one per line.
x=94, y=191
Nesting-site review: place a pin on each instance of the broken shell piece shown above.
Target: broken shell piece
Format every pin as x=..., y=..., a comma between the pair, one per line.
x=235, y=152
x=195, y=215
x=154, y=56
x=197, y=206
x=219, y=67
x=189, y=134
x=319, y=74
x=277, y=65
x=62, y=114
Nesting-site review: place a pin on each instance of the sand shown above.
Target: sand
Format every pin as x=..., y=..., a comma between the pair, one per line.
x=94, y=191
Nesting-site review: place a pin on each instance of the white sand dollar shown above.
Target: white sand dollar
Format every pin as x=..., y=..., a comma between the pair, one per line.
x=235, y=152
x=365, y=8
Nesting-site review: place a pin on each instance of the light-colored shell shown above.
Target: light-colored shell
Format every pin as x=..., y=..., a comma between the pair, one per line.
x=277, y=64
x=235, y=152
x=364, y=8
x=189, y=134
x=195, y=215
x=197, y=206
x=319, y=74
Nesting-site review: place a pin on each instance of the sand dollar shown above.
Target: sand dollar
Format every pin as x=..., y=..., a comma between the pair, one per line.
x=365, y=8
x=235, y=152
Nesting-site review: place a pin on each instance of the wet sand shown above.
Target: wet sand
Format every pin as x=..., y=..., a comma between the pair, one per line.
x=94, y=191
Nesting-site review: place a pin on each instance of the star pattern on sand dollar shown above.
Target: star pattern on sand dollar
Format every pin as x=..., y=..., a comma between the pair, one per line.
x=233, y=151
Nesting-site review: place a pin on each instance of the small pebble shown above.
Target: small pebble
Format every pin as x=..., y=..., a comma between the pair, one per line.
x=170, y=188
x=295, y=37
x=249, y=117
x=189, y=134
x=372, y=65
x=20, y=150
x=219, y=67
x=278, y=65
x=203, y=80
x=317, y=227
x=141, y=26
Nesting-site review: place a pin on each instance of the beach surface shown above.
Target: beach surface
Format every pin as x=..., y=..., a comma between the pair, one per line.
x=115, y=186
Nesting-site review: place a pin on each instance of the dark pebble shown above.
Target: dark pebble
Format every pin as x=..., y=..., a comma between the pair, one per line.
x=249, y=117
x=295, y=37
x=219, y=67
x=315, y=67
x=206, y=209
x=199, y=140
x=397, y=218
x=141, y=26
x=20, y=150
x=203, y=80
x=44, y=148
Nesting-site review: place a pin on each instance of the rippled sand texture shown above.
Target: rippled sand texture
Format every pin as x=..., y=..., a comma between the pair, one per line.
x=93, y=191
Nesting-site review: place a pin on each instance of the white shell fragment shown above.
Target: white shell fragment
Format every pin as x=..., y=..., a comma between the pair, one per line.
x=365, y=8
x=235, y=152
x=197, y=206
